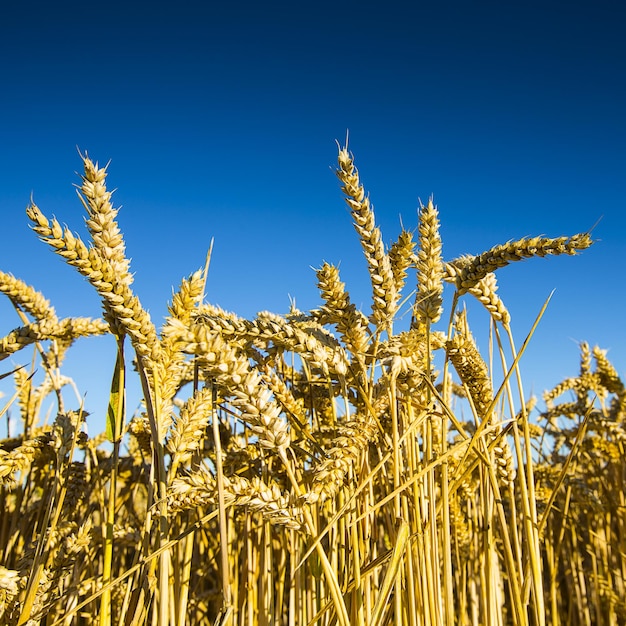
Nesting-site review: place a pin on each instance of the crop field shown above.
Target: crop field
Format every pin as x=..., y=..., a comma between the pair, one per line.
x=326, y=467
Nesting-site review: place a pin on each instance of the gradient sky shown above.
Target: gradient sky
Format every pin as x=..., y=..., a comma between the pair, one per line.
x=221, y=122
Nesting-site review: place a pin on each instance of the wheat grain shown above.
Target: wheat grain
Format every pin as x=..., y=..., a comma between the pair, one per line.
x=351, y=442
x=476, y=268
x=470, y=366
x=121, y=305
x=189, y=428
x=401, y=257
x=384, y=295
x=199, y=489
x=174, y=338
x=23, y=457
x=429, y=264
x=609, y=377
x=101, y=222
x=26, y=298
x=339, y=310
x=485, y=291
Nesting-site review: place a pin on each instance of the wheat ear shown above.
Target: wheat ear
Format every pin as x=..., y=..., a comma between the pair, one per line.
x=121, y=306
x=476, y=268
x=381, y=275
x=428, y=304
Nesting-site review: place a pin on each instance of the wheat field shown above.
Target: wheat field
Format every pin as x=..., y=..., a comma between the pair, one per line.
x=330, y=466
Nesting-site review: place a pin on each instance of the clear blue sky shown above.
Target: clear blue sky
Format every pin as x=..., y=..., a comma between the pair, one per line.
x=220, y=121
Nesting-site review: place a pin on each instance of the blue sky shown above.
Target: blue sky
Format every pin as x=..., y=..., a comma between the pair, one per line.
x=221, y=121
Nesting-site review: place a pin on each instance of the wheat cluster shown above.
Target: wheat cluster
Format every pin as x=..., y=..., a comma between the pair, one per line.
x=325, y=467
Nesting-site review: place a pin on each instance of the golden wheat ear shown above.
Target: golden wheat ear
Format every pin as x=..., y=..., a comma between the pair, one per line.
x=429, y=264
x=384, y=299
